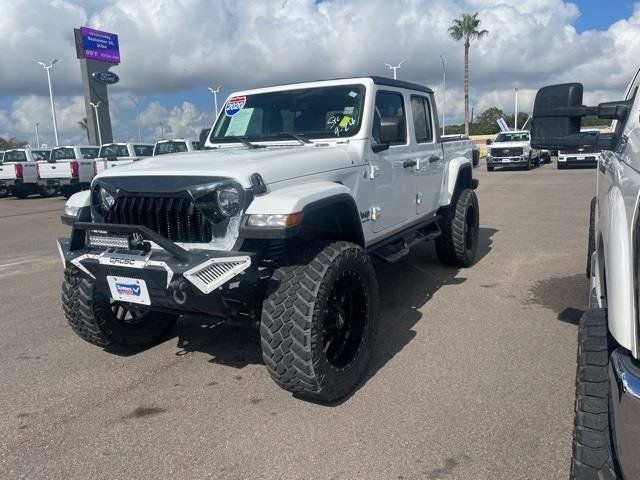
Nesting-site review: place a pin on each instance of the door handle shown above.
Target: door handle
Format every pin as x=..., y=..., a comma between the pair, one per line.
x=434, y=159
x=409, y=163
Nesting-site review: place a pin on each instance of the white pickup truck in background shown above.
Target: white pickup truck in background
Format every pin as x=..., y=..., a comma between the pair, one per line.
x=513, y=149
x=18, y=174
x=69, y=170
x=118, y=154
x=584, y=156
x=175, y=145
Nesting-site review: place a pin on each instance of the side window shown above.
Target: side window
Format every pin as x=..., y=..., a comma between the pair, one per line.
x=390, y=107
x=421, y=112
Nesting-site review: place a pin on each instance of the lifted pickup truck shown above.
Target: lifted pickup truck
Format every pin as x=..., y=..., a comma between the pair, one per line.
x=70, y=169
x=513, y=149
x=607, y=423
x=18, y=175
x=274, y=226
x=119, y=154
x=176, y=145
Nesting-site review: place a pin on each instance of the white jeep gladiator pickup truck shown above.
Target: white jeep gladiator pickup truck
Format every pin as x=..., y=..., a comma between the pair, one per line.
x=274, y=226
x=513, y=149
x=606, y=443
x=69, y=170
x=175, y=145
x=18, y=173
x=119, y=154
x=583, y=156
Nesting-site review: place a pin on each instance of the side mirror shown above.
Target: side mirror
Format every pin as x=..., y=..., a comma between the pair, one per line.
x=557, y=116
x=204, y=133
x=390, y=132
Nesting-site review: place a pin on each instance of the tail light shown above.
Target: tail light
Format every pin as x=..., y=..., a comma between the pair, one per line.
x=75, y=169
x=19, y=172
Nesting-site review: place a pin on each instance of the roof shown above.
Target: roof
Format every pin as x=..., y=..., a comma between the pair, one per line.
x=390, y=82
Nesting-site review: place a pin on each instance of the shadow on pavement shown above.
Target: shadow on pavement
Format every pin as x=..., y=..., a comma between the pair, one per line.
x=566, y=296
x=405, y=287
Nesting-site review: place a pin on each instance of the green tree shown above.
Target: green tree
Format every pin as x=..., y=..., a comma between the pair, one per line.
x=466, y=28
x=8, y=144
x=84, y=126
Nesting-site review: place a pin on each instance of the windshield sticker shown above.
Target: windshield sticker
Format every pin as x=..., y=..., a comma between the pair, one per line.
x=348, y=110
x=338, y=123
x=234, y=105
x=353, y=94
x=239, y=123
x=344, y=123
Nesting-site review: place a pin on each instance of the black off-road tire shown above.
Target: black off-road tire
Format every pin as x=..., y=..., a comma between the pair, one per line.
x=458, y=243
x=593, y=457
x=91, y=317
x=591, y=245
x=298, y=319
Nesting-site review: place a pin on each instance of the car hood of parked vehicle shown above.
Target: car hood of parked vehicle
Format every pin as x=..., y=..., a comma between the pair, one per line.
x=273, y=163
x=510, y=144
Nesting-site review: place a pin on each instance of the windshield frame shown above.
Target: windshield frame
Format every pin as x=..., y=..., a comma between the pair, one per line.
x=362, y=91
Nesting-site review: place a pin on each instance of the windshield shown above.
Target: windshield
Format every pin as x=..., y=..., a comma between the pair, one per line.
x=170, y=147
x=63, y=153
x=143, y=150
x=321, y=112
x=16, y=156
x=89, y=153
x=513, y=137
x=114, y=151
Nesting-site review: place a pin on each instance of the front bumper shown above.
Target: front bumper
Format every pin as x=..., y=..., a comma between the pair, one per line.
x=507, y=161
x=578, y=161
x=133, y=264
x=624, y=378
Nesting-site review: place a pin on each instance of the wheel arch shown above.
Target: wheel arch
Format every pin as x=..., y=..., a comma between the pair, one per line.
x=458, y=175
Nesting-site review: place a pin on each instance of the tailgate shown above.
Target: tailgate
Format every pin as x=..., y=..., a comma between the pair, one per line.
x=7, y=171
x=54, y=170
x=29, y=172
x=87, y=170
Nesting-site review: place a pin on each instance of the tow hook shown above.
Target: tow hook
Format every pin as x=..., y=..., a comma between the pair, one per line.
x=179, y=291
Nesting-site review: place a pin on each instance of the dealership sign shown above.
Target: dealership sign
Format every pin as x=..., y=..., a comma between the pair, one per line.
x=106, y=77
x=97, y=45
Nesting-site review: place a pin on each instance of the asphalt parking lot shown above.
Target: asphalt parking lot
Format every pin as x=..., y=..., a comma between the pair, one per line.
x=472, y=378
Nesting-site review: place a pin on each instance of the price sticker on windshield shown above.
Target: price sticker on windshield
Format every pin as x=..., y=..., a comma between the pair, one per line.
x=234, y=105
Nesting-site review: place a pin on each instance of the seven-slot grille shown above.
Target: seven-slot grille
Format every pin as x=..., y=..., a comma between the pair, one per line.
x=175, y=218
x=506, y=152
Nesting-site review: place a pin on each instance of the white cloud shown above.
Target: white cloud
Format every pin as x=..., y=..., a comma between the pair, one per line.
x=169, y=46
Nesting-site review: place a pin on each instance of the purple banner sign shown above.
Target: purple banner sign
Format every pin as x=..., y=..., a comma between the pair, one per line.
x=99, y=45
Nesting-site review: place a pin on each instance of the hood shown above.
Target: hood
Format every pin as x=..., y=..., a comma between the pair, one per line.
x=275, y=164
x=509, y=144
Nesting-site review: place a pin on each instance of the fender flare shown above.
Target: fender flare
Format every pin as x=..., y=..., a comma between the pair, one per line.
x=458, y=174
x=318, y=202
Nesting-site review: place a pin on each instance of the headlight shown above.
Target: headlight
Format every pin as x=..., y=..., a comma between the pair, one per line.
x=229, y=200
x=106, y=200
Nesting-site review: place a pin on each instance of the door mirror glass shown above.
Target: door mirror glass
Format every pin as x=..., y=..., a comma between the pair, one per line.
x=391, y=130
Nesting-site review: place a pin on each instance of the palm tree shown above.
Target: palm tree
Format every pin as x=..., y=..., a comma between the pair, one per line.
x=83, y=126
x=466, y=28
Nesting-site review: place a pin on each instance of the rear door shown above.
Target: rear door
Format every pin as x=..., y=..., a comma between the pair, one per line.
x=429, y=168
x=394, y=178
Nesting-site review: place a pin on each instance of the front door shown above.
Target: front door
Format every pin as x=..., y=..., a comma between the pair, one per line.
x=393, y=168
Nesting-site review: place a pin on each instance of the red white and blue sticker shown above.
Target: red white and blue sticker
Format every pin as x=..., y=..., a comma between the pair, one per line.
x=234, y=105
x=129, y=290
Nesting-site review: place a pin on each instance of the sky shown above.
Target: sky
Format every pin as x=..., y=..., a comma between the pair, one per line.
x=172, y=50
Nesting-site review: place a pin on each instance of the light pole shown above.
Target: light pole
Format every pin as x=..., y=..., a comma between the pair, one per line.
x=215, y=100
x=444, y=90
x=47, y=68
x=37, y=135
x=161, y=130
x=395, y=68
x=137, y=104
x=95, y=111
x=515, y=117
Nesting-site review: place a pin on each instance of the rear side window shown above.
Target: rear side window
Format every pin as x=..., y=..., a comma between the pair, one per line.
x=143, y=150
x=41, y=154
x=109, y=151
x=421, y=112
x=170, y=147
x=390, y=106
x=89, y=153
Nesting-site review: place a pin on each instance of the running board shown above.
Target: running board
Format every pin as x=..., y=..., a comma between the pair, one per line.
x=398, y=247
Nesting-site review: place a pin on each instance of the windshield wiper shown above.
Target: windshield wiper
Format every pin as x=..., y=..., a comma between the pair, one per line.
x=244, y=142
x=296, y=136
